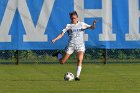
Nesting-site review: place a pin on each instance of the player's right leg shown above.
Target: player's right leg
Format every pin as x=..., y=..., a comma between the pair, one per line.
x=69, y=51
x=65, y=58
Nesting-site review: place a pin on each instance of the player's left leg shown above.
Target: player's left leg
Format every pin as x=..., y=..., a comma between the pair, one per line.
x=80, y=56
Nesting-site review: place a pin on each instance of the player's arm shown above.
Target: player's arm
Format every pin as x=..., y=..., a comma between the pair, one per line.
x=58, y=37
x=61, y=34
x=86, y=26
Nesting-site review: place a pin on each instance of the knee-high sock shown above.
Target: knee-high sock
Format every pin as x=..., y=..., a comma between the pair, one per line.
x=78, y=71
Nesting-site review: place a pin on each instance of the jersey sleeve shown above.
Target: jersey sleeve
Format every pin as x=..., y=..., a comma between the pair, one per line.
x=84, y=25
x=66, y=28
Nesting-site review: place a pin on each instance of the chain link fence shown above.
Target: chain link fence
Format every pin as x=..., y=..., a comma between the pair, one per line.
x=91, y=56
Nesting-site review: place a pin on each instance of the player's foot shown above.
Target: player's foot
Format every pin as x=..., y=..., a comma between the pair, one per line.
x=59, y=56
x=77, y=79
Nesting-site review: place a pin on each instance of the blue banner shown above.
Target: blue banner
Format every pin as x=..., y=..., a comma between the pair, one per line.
x=32, y=24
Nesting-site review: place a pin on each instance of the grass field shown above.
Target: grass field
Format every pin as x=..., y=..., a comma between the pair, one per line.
x=95, y=78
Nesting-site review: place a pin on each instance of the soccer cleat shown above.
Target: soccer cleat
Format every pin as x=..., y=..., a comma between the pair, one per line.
x=59, y=56
x=77, y=79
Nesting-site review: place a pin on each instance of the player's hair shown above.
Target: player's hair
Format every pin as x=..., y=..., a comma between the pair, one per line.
x=73, y=13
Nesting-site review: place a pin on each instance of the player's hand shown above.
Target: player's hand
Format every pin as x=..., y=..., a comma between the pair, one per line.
x=53, y=41
x=93, y=25
x=94, y=22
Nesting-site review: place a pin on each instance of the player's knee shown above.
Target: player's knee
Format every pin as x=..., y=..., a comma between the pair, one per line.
x=80, y=60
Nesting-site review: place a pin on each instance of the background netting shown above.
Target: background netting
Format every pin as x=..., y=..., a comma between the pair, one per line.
x=91, y=56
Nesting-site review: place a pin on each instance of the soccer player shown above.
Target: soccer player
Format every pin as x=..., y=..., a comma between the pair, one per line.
x=76, y=41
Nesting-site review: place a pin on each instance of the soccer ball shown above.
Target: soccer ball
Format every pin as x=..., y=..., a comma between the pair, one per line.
x=68, y=76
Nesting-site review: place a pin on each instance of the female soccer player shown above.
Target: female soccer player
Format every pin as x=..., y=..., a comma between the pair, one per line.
x=76, y=41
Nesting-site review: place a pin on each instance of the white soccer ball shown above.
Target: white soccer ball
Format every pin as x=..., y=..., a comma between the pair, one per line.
x=68, y=76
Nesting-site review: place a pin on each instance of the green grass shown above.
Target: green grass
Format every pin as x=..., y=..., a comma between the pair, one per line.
x=111, y=78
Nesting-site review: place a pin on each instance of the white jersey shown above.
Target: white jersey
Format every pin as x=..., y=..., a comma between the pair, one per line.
x=76, y=33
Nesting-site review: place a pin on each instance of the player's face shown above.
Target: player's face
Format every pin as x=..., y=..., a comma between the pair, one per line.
x=74, y=19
